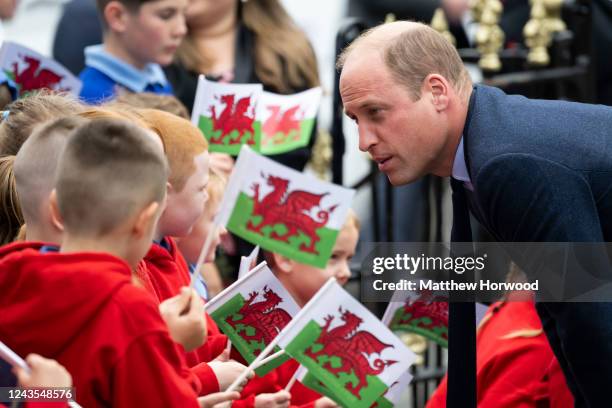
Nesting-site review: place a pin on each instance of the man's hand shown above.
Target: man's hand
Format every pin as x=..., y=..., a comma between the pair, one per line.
x=184, y=316
x=280, y=399
x=218, y=399
x=44, y=373
x=325, y=402
x=227, y=372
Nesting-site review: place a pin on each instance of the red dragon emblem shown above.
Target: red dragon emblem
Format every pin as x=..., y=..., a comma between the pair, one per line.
x=32, y=77
x=291, y=210
x=352, y=346
x=265, y=317
x=286, y=123
x=426, y=305
x=235, y=116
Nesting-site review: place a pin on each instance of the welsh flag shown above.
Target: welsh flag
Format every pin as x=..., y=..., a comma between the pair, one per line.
x=287, y=120
x=251, y=312
x=391, y=398
x=282, y=210
x=31, y=71
x=231, y=115
x=225, y=113
x=344, y=346
x=248, y=262
x=424, y=313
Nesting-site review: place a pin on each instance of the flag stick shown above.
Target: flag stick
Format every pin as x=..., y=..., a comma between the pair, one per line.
x=292, y=380
x=270, y=358
x=296, y=319
x=203, y=253
x=14, y=360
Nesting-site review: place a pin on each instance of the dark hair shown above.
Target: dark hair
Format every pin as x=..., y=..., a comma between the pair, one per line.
x=11, y=217
x=110, y=170
x=132, y=5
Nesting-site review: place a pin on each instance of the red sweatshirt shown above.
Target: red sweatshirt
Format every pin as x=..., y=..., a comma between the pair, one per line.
x=519, y=372
x=83, y=310
x=168, y=272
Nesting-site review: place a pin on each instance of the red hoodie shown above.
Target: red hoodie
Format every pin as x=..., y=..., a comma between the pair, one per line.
x=168, y=272
x=83, y=311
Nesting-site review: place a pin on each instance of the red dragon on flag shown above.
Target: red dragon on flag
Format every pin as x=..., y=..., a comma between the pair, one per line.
x=32, y=77
x=352, y=346
x=265, y=316
x=290, y=209
x=235, y=116
x=286, y=123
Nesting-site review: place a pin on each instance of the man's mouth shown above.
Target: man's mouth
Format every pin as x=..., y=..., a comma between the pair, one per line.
x=383, y=162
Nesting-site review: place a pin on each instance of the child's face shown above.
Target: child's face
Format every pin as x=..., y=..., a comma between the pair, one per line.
x=185, y=207
x=306, y=280
x=154, y=33
x=191, y=245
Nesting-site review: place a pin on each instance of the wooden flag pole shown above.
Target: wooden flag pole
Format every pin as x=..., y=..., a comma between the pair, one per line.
x=270, y=358
x=292, y=380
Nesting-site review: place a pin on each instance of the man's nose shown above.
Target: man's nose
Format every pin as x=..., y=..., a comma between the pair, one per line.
x=367, y=138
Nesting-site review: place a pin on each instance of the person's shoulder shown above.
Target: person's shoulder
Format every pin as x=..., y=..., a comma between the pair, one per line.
x=134, y=310
x=97, y=86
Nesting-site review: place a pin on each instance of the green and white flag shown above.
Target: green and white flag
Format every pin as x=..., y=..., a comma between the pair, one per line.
x=287, y=120
x=344, y=346
x=424, y=313
x=230, y=115
x=31, y=71
x=283, y=210
x=225, y=113
x=252, y=311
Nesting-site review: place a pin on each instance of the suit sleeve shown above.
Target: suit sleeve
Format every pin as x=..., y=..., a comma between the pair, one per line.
x=152, y=374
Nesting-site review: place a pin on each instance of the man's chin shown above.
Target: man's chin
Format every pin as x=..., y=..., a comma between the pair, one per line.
x=397, y=179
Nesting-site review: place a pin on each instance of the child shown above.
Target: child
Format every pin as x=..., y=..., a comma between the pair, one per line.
x=11, y=217
x=23, y=115
x=186, y=151
x=79, y=306
x=303, y=281
x=139, y=36
x=209, y=283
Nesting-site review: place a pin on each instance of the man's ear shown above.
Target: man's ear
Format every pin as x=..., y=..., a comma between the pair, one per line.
x=116, y=16
x=56, y=218
x=145, y=220
x=282, y=263
x=438, y=87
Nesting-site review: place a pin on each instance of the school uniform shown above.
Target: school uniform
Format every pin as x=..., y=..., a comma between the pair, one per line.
x=82, y=310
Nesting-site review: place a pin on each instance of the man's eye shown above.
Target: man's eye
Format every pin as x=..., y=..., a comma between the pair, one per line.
x=374, y=111
x=166, y=14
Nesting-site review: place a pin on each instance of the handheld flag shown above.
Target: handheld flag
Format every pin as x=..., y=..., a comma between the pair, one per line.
x=251, y=312
x=248, y=262
x=31, y=71
x=423, y=313
x=344, y=346
x=282, y=210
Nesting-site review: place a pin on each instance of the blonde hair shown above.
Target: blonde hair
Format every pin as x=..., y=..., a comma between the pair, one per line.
x=216, y=186
x=414, y=54
x=352, y=220
x=283, y=57
x=11, y=217
x=149, y=100
x=182, y=142
x=26, y=113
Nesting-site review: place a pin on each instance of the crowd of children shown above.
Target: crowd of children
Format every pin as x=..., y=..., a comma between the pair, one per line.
x=106, y=202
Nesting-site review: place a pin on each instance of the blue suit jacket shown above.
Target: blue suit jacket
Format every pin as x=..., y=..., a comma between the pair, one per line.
x=541, y=170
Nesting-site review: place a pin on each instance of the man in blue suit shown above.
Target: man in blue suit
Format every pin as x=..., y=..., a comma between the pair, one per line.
x=528, y=170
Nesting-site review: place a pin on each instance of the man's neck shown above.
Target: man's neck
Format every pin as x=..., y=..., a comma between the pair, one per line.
x=109, y=245
x=113, y=46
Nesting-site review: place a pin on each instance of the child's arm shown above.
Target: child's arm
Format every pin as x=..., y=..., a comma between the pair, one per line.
x=184, y=316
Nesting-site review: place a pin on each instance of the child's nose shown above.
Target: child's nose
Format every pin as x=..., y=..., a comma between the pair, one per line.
x=344, y=273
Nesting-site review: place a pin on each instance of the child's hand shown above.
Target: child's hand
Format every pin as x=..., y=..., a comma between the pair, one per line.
x=184, y=316
x=227, y=372
x=325, y=402
x=44, y=373
x=280, y=399
x=218, y=399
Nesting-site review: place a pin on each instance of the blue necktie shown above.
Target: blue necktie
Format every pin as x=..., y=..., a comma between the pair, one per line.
x=461, y=319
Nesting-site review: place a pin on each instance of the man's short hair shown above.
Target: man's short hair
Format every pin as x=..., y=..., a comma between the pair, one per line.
x=24, y=114
x=110, y=170
x=182, y=142
x=414, y=54
x=37, y=161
